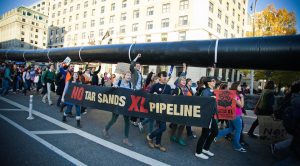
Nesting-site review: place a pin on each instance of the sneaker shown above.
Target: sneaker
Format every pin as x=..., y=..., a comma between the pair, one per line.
x=71, y=115
x=105, y=133
x=244, y=144
x=202, y=156
x=173, y=139
x=126, y=142
x=160, y=147
x=181, y=142
x=252, y=135
x=44, y=101
x=150, y=143
x=241, y=150
x=208, y=153
x=140, y=127
x=64, y=119
x=83, y=112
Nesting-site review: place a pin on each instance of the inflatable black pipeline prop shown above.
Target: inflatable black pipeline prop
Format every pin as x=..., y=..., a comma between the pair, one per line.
x=275, y=52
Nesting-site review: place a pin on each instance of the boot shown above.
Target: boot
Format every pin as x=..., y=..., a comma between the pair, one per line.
x=64, y=119
x=78, y=124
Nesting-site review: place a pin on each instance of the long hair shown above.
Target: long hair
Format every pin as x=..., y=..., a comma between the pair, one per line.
x=148, y=79
x=234, y=86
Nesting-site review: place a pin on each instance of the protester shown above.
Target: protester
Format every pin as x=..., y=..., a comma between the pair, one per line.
x=150, y=81
x=208, y=134
x=160, y=88
x=264, y=105
x=94, y=75
x=15, y=75
x=71, y=77
x=26, y=80
x=236, y=124
x=124, y=83
x=105, y=81
x=6, y=80
x=137, y=80
x=189, y=131
x=200, y=86
x=38, y=80
x=48, y=80
x=180, y=90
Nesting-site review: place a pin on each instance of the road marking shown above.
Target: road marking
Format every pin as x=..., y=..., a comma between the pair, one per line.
x=10, y=109
x=107, y=144
x=42, y=141
x=252, y=117
x=53, y=132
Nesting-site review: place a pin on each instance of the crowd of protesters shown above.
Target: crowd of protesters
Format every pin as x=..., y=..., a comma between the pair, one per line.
x=22, y=79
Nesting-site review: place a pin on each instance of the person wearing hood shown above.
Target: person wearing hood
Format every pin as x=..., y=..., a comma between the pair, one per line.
x=264, y=105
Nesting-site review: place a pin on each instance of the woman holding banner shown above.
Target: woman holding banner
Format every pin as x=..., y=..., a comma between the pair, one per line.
x=236, y=124
x=124, y=83
x=208, y=134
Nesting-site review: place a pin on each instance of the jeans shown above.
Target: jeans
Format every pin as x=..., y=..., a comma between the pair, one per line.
x=58, y=101
x=26, y=85
x=158, y=132
x=150, y=124
x=207, y=137
x=48, y=94
x=69, y=110
x=236, y=126
x=113, y=120
x=5, y=86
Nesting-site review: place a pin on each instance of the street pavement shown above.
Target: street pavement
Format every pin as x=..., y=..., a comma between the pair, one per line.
x=46, y=140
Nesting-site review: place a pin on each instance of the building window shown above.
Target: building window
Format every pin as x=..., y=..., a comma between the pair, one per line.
x=65, y=2
x=122, y=29
x=113, y=7
x=64, y=20
x=238, y=29
x=232, y=25
x=166, y=8
x=227, y=6
x=84, y=25
x=23, y=20
x=226, y=20
x=71, y=9
x=211, y=7
x=165, y=23
x=234, y=1
x=111, y=30
x=76, y=26
x=65, y=11
x=83, y=35
x=183, y=20
x=136, y=14
x=22, y=33
x=149, y=25
x=124, y=4
x=77, y=16
x=92, y=34
x=233, y=12
x=86, y=4
x=219, y=14
x=53, y=7
x=183, y=5
x=111, y=19
x=123, y=16
x=220, y=1
x=239, y=6
x=92, y=23
x=226, y=33
x=94, y=2
x=219, y=28
x=135, y=27
x=93, y=12
x=101, y=21
x=210, y=23
x=136, y=2
x=70, y=28
x=182, y=36
x=243, y=11
x=102, y=9
x=58, y=13
x=100, y=32
x=70, y=19
x=78, y=7
x=164, y=37
x=53, y=15
x=84, y=14
x=148, y=38
x=150, y=11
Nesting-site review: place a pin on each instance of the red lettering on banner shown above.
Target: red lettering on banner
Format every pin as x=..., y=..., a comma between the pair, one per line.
x=77, y=93
x=134, y=103
x=142, y=108
x=74, y=92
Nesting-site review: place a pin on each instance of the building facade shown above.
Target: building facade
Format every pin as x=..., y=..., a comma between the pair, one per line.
x=23, y=28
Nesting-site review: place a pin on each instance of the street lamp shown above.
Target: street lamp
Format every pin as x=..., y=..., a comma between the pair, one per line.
x=252, y=71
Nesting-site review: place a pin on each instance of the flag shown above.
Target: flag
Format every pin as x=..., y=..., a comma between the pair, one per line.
x=106, y=35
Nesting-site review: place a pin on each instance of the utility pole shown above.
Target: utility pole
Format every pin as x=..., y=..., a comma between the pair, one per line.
x=252, y=71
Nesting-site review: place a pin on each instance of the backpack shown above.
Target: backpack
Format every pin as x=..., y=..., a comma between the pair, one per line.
x=120, y=81
x=289, y=121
